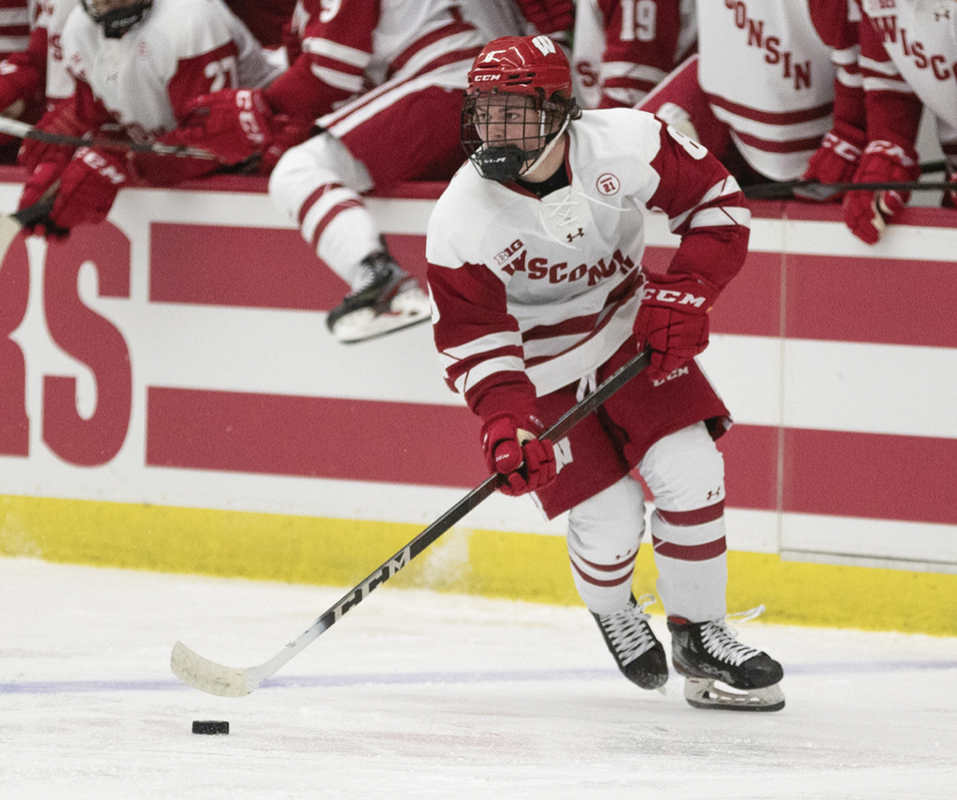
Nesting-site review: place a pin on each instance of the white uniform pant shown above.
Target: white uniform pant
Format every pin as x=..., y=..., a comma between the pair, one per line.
x=685, y=472
x=318, y=184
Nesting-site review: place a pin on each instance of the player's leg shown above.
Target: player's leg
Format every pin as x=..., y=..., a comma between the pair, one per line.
x=685, y=472
x=377, y=140
x=604, y=533
x=605, y=525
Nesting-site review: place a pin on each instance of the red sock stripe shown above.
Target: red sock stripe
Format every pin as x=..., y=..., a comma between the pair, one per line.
x=314, y=198
x=606, y=567
x=333, y=212
x=697, y=517
x=692, y=552
x=595, y=582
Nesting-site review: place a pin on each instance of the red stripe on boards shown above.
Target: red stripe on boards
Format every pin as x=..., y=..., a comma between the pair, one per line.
x=314, y=437
x=218, y=265
x=870, y=475
x=866, y=300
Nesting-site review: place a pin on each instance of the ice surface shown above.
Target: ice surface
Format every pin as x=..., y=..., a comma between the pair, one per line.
x=422, y=695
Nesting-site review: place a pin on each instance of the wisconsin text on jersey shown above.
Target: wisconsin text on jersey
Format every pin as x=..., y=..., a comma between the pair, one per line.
x=537, y=269
x=885, y=22
x=799, y=71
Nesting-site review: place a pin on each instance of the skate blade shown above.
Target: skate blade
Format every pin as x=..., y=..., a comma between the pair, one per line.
x=365, y=324
x=711, y=694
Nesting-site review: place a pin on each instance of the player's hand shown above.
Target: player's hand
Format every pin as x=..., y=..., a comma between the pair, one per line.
x=41, y=184
x=867, y=213
x=836, y=160
x=673, y=320
x=287, y=132
x=232, y=123
x=549, y=16
x=88, y=187
x=61, y=120
x=512, y=448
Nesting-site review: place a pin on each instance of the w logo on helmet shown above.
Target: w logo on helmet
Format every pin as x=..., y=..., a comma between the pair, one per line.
x=544, y=45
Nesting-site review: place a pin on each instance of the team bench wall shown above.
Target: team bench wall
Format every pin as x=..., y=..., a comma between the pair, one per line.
x=176, y=357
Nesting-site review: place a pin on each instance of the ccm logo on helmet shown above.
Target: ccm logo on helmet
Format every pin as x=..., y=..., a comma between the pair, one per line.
x=671, y=296
x=481, y=77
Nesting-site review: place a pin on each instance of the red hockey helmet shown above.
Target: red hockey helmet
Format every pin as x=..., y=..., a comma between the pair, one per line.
x=527, y=81
x=532, y=65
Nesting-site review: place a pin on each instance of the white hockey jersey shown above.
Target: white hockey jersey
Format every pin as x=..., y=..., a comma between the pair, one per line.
x=921, y=52
x=549, y=287
x=768, y=76
x=182, y=49
x=51, y=18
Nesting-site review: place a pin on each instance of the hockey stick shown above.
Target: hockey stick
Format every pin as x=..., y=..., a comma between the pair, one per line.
x=214, y=678
x=22, y=130
x=812, y=190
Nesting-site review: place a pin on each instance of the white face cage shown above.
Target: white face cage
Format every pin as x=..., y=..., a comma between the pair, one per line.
x=505, y=134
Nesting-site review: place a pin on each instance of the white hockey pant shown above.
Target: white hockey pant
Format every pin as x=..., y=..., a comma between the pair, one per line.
x=318, y=185
x=685, y=472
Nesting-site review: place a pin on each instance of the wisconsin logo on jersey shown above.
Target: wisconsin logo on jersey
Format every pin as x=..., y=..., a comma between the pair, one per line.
x=539, y=269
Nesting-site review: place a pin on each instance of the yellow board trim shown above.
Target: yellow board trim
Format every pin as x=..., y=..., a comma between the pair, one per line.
x=338, y=552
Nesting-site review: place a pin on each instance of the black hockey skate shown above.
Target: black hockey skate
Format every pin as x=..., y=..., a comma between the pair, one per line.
x=387, y=299
x=705, y=652
x=639, y=655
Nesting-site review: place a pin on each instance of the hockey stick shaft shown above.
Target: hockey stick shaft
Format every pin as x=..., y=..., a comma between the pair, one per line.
x=22, y=130
x=232, y=682
x=812, y=190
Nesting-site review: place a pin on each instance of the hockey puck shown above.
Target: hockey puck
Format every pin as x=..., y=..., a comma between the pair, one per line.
x=210, y=727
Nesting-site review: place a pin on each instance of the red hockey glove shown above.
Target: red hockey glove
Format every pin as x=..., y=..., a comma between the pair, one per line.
x=88, y=187
x=673, y=319
x=287, y=133
x=42, y=180
x=837, y=158
x=62, y=120
x=949, y=200
x=512, y=448
x=232, y=123
x=867, y=213
x=549, y=16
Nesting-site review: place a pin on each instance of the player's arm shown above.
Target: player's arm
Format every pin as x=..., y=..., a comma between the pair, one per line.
x=480, y=346
x=335, y=42
x=837, y=158
x=893, y=116
x=707, y=209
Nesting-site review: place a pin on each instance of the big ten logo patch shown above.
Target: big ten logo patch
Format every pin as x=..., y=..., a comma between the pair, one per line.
x=509, y=251
x=608, y=184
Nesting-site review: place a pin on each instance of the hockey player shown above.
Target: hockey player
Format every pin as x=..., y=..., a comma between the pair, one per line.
x=759, y=93
x=535, y=272
x=908, y=61
x=138, y=65
x=624, y=48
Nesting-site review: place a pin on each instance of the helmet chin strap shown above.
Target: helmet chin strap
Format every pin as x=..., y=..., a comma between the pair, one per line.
x=543, y=153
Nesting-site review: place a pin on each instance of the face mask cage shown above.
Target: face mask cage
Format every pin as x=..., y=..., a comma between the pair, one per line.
x=504, y=132
x=115, y=19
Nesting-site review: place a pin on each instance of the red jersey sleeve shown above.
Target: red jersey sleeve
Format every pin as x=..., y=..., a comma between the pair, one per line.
x=336, y=41
x=893, y=109
x=476, y=324
x=705, y=206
